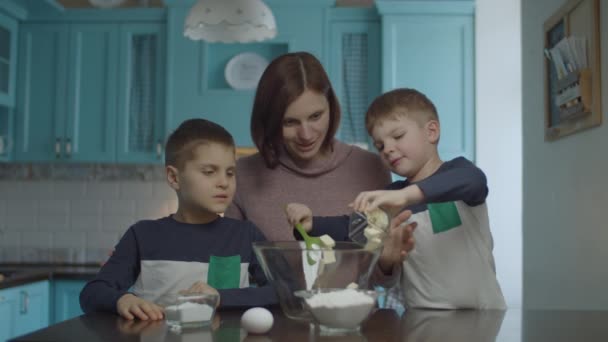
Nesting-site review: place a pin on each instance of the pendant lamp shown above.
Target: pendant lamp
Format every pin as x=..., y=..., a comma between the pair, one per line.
x=230, y=21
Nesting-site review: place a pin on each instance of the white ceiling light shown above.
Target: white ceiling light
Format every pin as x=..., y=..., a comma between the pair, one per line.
x=229, y=21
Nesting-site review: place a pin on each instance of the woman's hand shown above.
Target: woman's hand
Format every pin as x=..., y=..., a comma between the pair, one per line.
x=130, y=306
x=398, y=243
x=299, y=213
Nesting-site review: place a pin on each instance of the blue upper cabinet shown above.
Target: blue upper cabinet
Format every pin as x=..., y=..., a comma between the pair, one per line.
x=41, y=100
x=141, y=111
x=430, y=47
x=66, y=108
x=354, y=67
x=8, y=59
x=90, y=92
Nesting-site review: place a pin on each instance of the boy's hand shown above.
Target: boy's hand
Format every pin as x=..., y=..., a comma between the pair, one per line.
x=390, y=200
x=299, y=213
x=398, y=243
x=130, y=306
x=202, y=287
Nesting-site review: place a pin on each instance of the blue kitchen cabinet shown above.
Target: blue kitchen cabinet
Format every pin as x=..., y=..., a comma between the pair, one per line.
x=8, y=307
x=354, y=67
x=24, y=309
x=91, y=92
x=8, y=59
x=66, y=299
x=42, y=81
x=141, y=106
x=430, y=47
x=66, y=104
x=33, y=311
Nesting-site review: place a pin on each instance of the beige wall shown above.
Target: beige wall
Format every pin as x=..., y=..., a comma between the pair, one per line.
x=565, y=188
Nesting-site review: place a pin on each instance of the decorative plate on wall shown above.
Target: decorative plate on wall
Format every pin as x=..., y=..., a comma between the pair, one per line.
x=244, y=70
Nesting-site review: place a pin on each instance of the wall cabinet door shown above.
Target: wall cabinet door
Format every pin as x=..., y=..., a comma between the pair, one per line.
x=430, y=47
x=8, y=59
x=66, y=299
x=41, y=106
x=91, y=93
x=141, y=111
x=66, y=109
x=355, y=69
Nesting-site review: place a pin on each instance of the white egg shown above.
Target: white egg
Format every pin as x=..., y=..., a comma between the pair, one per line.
x=257, y=321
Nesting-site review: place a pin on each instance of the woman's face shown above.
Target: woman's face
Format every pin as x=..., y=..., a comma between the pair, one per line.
x=305, y=126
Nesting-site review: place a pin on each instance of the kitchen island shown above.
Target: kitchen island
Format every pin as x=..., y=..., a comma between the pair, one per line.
x=383, y=325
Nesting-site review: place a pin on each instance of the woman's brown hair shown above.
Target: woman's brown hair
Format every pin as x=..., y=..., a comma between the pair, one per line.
x=283, y=81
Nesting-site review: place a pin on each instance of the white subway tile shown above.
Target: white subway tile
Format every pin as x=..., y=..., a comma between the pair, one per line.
x=103, y=240
x=53, y=223
x=53, y=207
x=85, y=223
x=85, y=207
x=103, y=190
x=21, y=223
x=69, y=190
x=2, y=214
x=118, y=207
x=36, y=239
x=23, y=207
x=37, y=190
x=10, y=189
x=66, y=239
x=136, y=190
x=10, y=239
x=116, y=223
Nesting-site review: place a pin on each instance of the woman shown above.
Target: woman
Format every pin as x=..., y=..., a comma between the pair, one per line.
x=294, y=120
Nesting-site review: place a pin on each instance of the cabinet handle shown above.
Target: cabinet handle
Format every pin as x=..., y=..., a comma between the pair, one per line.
x=25, y=302
x=159, y=148
x=68, y=147
x=58, y=148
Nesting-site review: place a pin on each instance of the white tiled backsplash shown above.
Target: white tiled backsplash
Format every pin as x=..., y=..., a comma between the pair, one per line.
x=74, y=221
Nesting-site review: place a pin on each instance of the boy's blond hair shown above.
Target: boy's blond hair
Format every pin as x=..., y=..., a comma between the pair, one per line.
x=402, y=101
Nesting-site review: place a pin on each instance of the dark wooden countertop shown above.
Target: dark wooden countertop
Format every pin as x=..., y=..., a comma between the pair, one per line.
x=383, y=325
x=29, y=273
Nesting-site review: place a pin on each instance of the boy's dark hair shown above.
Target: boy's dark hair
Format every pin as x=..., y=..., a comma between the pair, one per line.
x=402, y=101
x=190, y=134
x=283, y=81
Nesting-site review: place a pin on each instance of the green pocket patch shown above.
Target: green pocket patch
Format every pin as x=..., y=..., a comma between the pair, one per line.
x=444, y=216
x=224, y=272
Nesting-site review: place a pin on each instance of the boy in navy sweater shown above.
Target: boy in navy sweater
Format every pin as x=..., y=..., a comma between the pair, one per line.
x=452, y=265
x=193, y=249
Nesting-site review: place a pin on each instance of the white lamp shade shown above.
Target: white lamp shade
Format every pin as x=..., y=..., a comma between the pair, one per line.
x=230, y=21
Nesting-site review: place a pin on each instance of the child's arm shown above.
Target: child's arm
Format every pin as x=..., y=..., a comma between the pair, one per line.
x=461, y=180
x=113, y=281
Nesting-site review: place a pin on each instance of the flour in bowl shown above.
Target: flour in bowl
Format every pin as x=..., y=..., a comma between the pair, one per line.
x=342, y=309
x=188, y=313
